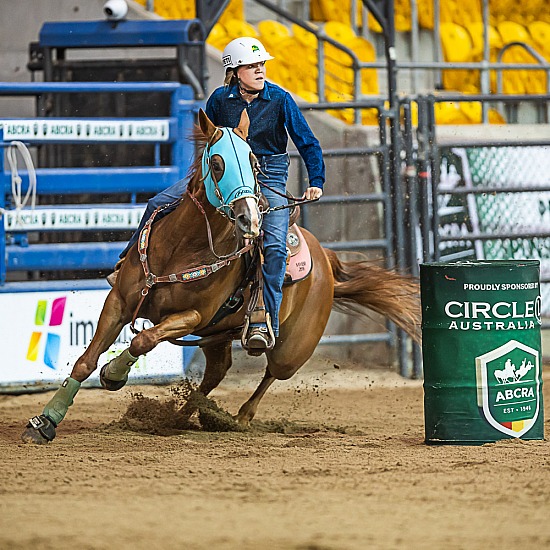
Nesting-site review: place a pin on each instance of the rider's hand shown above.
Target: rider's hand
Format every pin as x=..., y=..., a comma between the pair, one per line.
x=313, y=193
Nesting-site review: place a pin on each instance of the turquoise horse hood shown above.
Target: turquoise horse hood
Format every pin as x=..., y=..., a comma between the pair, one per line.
x=238, y=179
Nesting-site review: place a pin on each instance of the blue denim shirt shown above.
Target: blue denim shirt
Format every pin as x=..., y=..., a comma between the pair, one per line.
x=271, y=114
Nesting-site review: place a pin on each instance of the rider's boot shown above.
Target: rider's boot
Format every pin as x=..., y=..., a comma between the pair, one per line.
x=41, y=429
x=258, y=336
x=112, y=277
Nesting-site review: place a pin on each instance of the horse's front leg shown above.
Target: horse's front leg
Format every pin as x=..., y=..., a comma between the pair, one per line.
x=114, y=374
x=41, y=429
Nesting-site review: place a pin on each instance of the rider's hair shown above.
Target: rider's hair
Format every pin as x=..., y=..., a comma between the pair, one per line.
x=230, y=77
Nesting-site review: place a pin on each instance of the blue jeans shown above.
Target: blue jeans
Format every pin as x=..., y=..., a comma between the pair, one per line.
x=170, y=194
x=275, y=228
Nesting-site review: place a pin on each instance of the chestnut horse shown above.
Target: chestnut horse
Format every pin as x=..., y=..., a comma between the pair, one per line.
x=195, y=234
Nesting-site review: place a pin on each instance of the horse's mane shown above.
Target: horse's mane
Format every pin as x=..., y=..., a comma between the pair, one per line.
x=195, y=169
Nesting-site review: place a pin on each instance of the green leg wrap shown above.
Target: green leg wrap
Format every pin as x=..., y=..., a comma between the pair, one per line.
x=59, y=404
x=118, y=368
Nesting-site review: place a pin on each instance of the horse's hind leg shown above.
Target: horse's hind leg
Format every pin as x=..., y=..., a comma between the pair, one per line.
x=248, y=410
x=41, y=429
x=296, y=343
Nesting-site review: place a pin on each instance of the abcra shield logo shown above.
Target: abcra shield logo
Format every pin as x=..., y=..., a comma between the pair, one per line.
x=508, y=387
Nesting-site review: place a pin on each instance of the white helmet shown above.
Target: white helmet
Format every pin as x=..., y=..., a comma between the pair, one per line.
x=244, y=51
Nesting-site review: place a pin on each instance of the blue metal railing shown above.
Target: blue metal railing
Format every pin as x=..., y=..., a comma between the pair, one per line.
x=18, y=255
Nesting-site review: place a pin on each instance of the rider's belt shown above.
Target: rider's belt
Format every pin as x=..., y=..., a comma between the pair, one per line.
x=266, y=160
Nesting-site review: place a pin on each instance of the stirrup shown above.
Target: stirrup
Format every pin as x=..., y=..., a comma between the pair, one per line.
x=258, y=337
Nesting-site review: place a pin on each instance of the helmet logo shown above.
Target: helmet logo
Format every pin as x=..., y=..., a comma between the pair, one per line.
x=226, y=60
x=255, y=48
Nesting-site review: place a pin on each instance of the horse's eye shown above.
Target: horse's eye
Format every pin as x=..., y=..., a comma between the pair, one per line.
x=217, y=163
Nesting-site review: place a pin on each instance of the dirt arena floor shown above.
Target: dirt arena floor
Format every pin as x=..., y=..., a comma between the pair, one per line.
x=336, y=461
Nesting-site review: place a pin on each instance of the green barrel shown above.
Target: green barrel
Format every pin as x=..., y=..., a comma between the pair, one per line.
x=481, y=350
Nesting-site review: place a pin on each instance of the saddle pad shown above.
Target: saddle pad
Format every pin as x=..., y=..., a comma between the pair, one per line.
x=299, y=266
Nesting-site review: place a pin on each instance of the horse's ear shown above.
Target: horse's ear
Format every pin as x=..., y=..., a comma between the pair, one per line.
x=207, y=126
x=244, y=124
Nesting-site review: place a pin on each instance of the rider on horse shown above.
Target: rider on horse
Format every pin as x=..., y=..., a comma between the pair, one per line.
x=273, y=116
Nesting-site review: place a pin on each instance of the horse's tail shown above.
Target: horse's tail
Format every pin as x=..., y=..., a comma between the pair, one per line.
x=360, y=284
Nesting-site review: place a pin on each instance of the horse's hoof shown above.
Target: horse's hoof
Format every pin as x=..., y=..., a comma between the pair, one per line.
x=40, y=430
x=111, y=385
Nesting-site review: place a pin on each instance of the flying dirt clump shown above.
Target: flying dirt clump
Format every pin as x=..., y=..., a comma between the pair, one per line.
x=188, y=409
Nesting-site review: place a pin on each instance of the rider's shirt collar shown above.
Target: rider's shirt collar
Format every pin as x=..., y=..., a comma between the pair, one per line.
x=233, y=92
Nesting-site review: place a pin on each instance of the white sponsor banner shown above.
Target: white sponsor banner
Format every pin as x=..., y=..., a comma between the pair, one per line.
x=44, y=333
x=61, y=219
x=47, y=129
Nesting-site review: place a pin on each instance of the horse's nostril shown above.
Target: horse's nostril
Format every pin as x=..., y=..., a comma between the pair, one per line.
x=243, y=220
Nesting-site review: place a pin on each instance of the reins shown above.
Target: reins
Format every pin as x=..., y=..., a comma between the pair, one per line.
x=208, y=229
x=288, y=196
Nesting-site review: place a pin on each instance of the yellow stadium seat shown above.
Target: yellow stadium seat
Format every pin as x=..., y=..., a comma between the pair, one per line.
x=308, y=96
x=472, y=111
x=456, y=42
x=338, y=10
x=495, y=44
x=513, y=81
x=234, y=10
x=476, y=34
x=540, y=34
x=513, y=32
x=374, y=26
x=218, y=37
x=338, y=64
x=426, y=14
x=449, y=112
x=236, y=28
x=402, y=21
x=457, y=48
x=469, y=12
x=365, y=52
x=520, y=81
x=495, y=117
x=339, y=31
x=272, y=32
x=346, y=115
x=503, y=9
x=316, y=10
x=474, y=115
x=306, y=38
